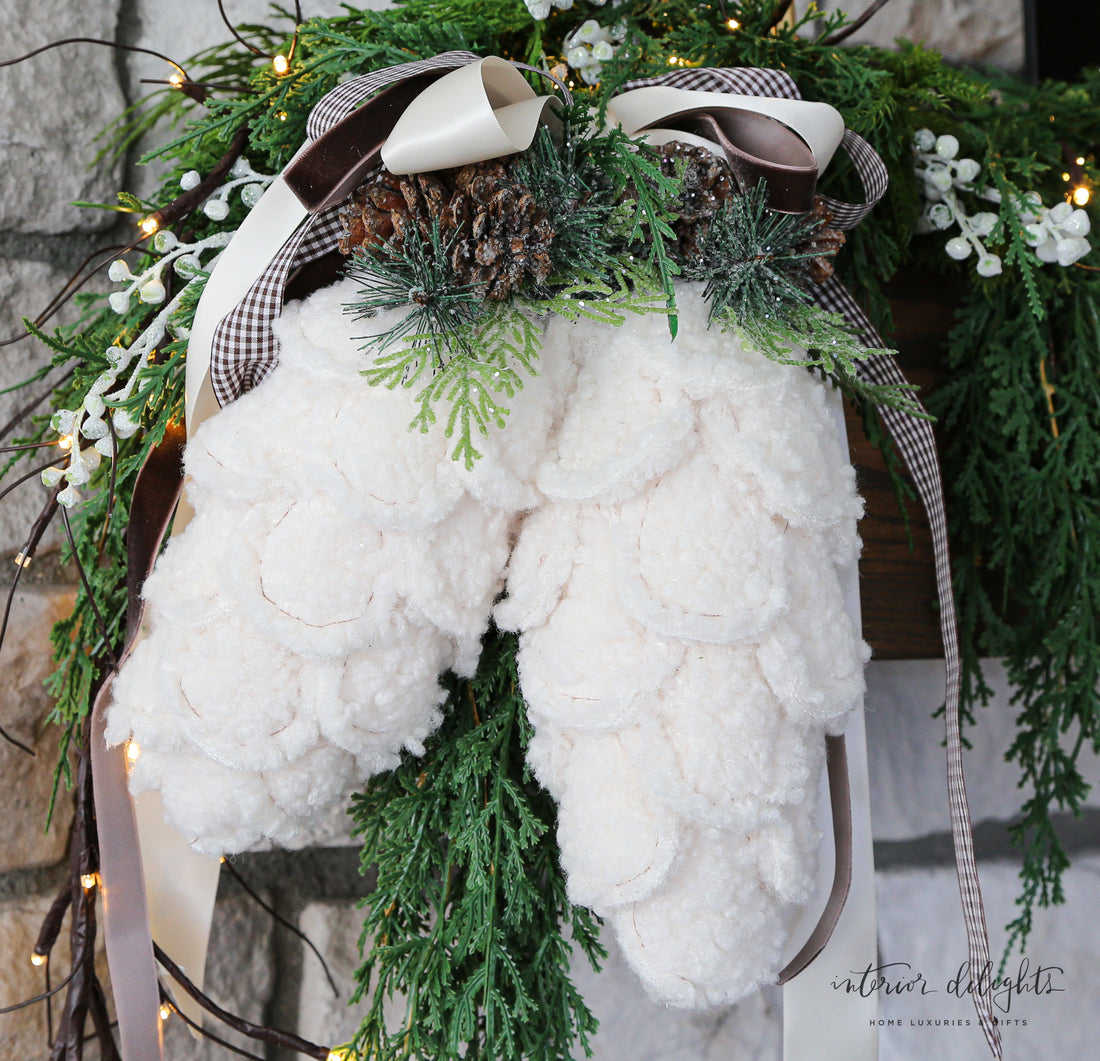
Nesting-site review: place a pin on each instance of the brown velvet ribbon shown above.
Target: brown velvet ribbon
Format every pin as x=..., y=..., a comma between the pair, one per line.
x=758, y=148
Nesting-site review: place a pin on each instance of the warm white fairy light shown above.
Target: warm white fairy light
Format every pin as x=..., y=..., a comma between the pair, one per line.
x=149, y=225
x=165, y=1011
x=133, y=751
x=38, y=960
x=88, y=881
x=176, y=80
x=1081, y=195
x=281, y=64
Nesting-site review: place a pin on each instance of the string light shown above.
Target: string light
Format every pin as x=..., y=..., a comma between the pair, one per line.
x=149, y=225
x=133, y=750
x=22, y=560
x=165, y=1011
x=281, y=115
x=38, y=960
x=1081, y=195
x=176, y=81
x=1065, y=176
x=281, y=65
x=65, y=442
x=340, y=1053
x=732, y=24
x=88, y=881
x=1079, y=160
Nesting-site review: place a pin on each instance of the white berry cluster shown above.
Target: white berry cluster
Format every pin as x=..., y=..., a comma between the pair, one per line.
x=540, y=9
x=1056, y=234
x=91, y=431
x=590, y=45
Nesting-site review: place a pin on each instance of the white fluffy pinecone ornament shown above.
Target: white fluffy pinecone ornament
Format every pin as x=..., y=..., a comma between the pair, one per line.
x=684, y=643
x=670, y=516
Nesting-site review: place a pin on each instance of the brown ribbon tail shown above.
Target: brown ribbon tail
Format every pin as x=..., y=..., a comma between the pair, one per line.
x=125, y=913
x=337, y=162
x=841, y=803
x=758, y=148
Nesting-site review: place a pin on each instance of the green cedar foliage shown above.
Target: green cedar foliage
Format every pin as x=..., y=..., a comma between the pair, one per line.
x=468, y=928
x=1021, y=479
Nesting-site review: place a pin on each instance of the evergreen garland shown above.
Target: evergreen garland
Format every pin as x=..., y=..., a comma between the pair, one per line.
x=468, y=926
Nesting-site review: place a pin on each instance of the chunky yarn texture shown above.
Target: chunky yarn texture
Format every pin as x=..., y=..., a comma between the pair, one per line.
x=668, y=519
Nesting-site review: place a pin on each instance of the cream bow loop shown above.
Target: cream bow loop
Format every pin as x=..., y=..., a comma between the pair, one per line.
x=818, y=124
x=480, y=111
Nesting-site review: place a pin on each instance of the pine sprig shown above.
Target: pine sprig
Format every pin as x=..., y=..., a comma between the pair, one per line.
x=750, y=262
x=466, y=928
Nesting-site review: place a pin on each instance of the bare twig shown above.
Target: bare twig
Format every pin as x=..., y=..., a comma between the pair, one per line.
x=845, y=32
x=286, y=1040
x=33, y=404
x=73, y=285
x=48, y=993
x=204, y=1032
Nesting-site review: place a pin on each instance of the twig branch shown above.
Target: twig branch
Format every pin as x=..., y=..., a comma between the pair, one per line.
x=204, y=1032
x=99, y=620
x=286, y=1040
x=845, y=32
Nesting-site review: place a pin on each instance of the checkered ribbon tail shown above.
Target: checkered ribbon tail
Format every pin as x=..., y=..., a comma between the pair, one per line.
x=244, y=349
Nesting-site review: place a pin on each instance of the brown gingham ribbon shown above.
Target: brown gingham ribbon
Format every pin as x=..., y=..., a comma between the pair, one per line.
x=245, y=351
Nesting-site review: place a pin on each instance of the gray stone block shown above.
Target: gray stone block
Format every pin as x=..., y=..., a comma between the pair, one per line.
x=53, y=106
x=23, y=1034
x=973, y=31
x=25, y=288
x=920, y=922
x=907, y=765
x=325, y=1017
x=28, y=782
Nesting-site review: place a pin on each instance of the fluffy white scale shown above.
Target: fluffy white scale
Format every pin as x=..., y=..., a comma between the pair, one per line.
x=337, y=565
x=683, y=666
x=684, y=642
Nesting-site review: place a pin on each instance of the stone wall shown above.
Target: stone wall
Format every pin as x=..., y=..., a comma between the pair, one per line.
x=257, y=968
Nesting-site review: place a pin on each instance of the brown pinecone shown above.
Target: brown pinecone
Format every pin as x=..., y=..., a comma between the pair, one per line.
x=495, y=232
x=705, y=184
x=822, y=245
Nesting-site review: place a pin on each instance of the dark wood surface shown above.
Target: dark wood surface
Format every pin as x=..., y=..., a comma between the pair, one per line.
x=897, y=584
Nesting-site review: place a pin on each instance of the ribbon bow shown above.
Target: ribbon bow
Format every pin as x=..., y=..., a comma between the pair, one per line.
x=457, y=108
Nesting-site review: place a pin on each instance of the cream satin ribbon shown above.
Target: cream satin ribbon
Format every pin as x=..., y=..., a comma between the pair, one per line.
x=181, y=885
x=818, y=124
x=477, y=112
